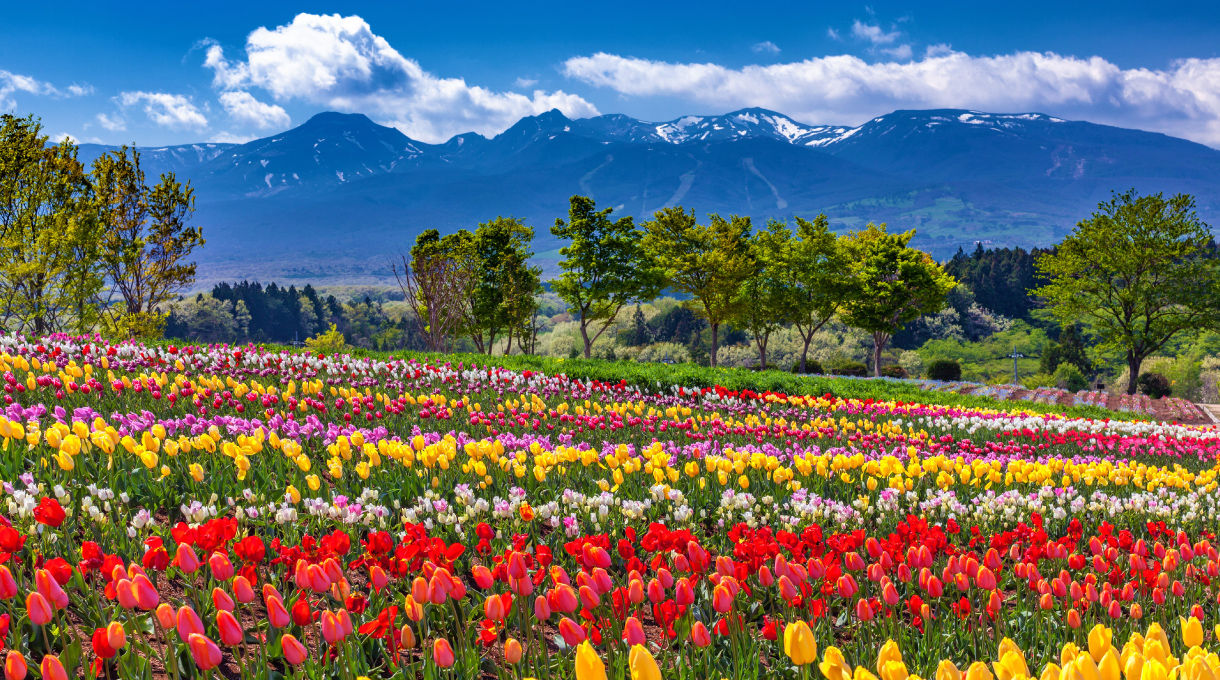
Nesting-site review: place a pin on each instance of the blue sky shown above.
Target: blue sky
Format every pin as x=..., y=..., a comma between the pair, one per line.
x=169, y=73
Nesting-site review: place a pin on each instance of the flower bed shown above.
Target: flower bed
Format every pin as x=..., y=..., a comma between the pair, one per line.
x=186, y=511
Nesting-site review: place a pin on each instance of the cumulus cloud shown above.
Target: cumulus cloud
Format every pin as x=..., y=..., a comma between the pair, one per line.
x=226, y=137
x=165, y=109
x=1183, y=99
x=13, y=83
x=112, y=123
x=765, y=47
x=340, y=63
x=243, y=107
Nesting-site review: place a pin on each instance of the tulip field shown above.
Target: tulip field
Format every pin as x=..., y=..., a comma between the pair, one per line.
x=197, y=512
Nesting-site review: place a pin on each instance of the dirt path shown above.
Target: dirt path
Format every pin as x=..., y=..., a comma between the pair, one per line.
x=1212, y=410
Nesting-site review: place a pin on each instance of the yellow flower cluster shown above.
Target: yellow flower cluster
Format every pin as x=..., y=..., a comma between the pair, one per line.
x=1142, y=657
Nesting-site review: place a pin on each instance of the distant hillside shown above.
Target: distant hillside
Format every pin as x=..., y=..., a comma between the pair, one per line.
x=333, y=199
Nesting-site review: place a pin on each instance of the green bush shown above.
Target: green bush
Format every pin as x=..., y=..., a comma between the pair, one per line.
x=330, y=342
x=893, y=371
x=811, y=367
x=944, y=369
x=1035, y=380
x=1068, y=377
x=855, y=368
x=1154, y=385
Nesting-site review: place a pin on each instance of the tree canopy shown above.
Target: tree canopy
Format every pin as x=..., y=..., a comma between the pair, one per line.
x=1135, y=274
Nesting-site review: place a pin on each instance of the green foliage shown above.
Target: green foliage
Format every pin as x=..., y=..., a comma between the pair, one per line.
x=999, y=278
x=944, y=369
x=890, y=284
x=604, y=267
x=987, y=360
x=1038, y=380
x=1136, y=274
x=49, y=233
x=893, y=371
x=505, y=283
x=811, y=266
x=1154, y=385
x=766, y=300
x=708, y=262
x=328, y=342
x=1068, y=377
x=854, y=368
x=1068, y=349
x=135, y=325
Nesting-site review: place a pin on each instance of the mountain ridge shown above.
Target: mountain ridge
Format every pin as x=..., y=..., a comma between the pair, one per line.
x=342, y=188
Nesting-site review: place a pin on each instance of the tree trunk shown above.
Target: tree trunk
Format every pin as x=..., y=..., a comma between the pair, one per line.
x=879, y=340
x=584, y=333
x=1133, y=368
x=715, y=343
x=762, y=351
x=805, y=352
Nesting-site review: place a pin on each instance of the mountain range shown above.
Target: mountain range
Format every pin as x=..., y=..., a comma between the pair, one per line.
x=336, y=197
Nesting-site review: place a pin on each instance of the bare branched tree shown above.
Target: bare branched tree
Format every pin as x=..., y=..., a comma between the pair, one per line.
x=438, y=281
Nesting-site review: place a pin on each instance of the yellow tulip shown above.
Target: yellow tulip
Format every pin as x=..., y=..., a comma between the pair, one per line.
x=1011, y=666
x=1099, y=642
x=1085, y=667
x=889, y=652
x=893, y=670
x=1192, y=631
x=946, y=670
x=799, y=644
x=1155, y=632
x=1134, y=667
x=978, y=671
x=641, y=664
x=1051, y=672
x=1109, y=666
x=1153, y=670
x=863, y=673
x=196, y=472
x=588, y=665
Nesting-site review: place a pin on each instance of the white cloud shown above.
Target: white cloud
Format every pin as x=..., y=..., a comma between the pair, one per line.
x=12, y=83
x=833, y=34
x=765, y=47
x=873, y=33
x=525, y=83
x=1183, y=99
x=112, y=123
x=338, y=62
x=243, y=107
x=165, y=109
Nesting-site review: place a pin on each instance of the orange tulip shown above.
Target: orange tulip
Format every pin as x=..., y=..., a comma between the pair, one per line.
x=205, y=652
x=332, y=632
x=442, y=653
x=49, y=587
x=633, y=632
x=146, y=594
x=116, y=637
x=166, y=616
x=699, y=635
x=188, y=623
x=14, y=666
x=512, y=651
x=52, y=669
x=243, y=592
x=722, y=599
x=277, y=613
x=221, y=600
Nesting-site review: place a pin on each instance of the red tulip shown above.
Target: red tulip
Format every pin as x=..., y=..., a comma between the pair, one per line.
x=221, y=600
x=231, y=633
x=571, y=632
x=38, y=609
x=294, y=652
x=542, y=609
x=633, y=632
x=722, y=599
x=205, y=652
x=50, y=589
x=699, y=635
x=185, y=558
x=116, y=637
x=188, y=623
x=8, y=586
x=242, y=590
x=222, y=568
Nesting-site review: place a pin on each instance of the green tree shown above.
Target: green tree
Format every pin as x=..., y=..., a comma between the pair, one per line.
x=890, y=284
x=604, y=267
x=1136, y=274
x=147, y=236
x=49, y=234
x=708, y=262
x=765, y=301
x=815, y=266
x=438, y=282
x=503, y=297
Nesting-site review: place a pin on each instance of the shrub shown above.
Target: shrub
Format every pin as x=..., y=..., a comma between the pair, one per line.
x=1068, y=377
x=893, y=371
x=944, y=369
x=138, y=326
x=1154, y=385
x=330, y=342
x=1037, y=380
x=855, y=368
x=811, y=366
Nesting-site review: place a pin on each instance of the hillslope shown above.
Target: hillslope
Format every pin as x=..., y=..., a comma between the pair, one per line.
x=334, y=198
